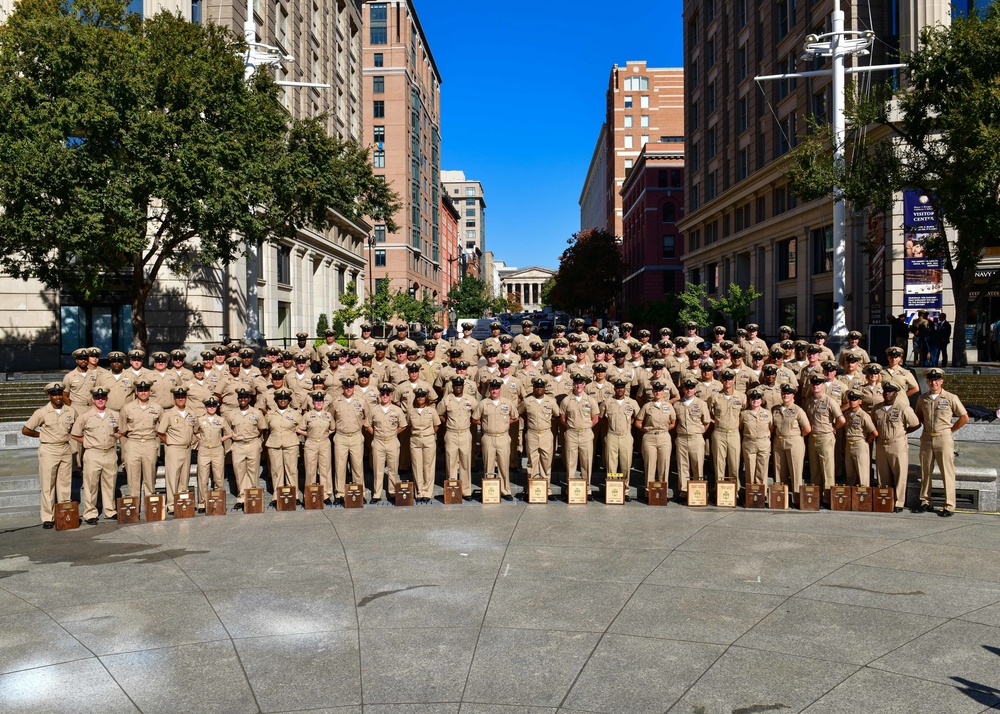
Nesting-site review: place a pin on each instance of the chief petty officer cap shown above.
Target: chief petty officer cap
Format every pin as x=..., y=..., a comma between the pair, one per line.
x=231, y=362
x=894, y=352
x=206, y=355
x=462, y=364
x=179, y=392
x=801, y=344
x=219, y=349
x=658, y=386
x=401, y=327
x=329, y=333
x=458, y=381
x=853, y=396
x=728, y=344
x=286, y=355
x=627, y=327
x=890, y=387
x=784, y=330
x=277, y=373
x=817, y=379
x=318, y=396
x=776, y=351
x=643, y=333
x=873, y=369
x=787, y=345
x=505, y=339
x=420, y=392
x=934, y=373
x=527, y=323
x=728, y=374
x=178, y=354
x=814, y=349
x=690, y=384
x=302, y=335
x=385, y=389
x=681, y=341
x=819, y=335
x=755, y=395
x=160, y=356
x=620, y=352
x=99, y=393
x=753, y=327
x=495, y=326
x=535, y=346
x=54, y=388
x=578, y=377
x=211, y=402
x=581, y=347
x=600, y=367
x=557, y=360
x=851, y=357
x=246, y=352
x=137, y=354
x=741, y=332
x=620, y=383
x=410, y=351
x=282, y=394
x=691, y=325
x=592, y=330
x=454, y=352
x=300, y=358
x=503, y=362
x=364, y=372
x=436, y=328
x=495, y=384
x=264, y=363
x=559, y=328
x=243, y=393
x=429, y=346
x=830, y=366
x=318, y=378
x=94, y=352
x=719, y=330
x=666, y=331
x=380, y=345
x=770, y=369
x=787, y=389
x=347, y=382
x=735, y=353
x=657, y=364
x=272, y=351
x=143, y=386
x=854, y=335
x=413, y=367
x=718, y=354
x=366, y=327
x=467, y=325
x=198, y=366
x=538, y=382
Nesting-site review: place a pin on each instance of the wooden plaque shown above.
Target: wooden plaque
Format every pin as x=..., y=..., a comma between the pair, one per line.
x=452, y=491
x=253, y=500
x=614, y=489
x=576, y=491
x=491, y=490
x=354, y=495
x=884, y=499
x=697, y=493
x=861, y=498
x=128, y=510
x=404, y=493
x=777, y=497
x=840, y=498
x=184, y=504
x=538, y=490
x=313, y=497
x=215, y=502
x=808, y=497
x=725, y=494
x=656, y=493
x=67, y=515
x=156, y=507
x=286, y=498
x=756, y=495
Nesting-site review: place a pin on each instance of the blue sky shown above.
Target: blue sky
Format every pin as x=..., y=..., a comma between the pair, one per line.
x=523, y=100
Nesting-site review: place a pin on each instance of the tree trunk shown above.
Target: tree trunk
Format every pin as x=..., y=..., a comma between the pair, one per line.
x=960, y=291
x=140, y=330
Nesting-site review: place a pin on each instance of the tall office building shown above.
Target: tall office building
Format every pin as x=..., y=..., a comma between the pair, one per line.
x=470, y=200
x=402, y=120
x=644, y=104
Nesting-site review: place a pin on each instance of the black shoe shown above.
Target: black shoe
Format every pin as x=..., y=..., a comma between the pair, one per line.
x=111, y=518
x=924, y=508
x=375, y=502
x=944, y=513
x=273, y=504
x=90, y=521
x=238, y=507
x=48, y=525
x=553, y=497
x=328, y=502
x=897, y=509
x=507, y=497
x=627, y=498
x=468, y=498
x=200, y=510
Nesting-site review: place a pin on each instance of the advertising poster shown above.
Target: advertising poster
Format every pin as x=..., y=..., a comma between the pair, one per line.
x=923, y=273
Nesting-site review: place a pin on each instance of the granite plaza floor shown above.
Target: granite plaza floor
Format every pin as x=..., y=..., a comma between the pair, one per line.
x=508, y=608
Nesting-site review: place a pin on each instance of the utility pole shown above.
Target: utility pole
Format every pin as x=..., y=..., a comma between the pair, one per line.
x=837, y=45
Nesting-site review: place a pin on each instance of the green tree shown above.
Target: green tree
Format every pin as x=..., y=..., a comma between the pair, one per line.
x=350, y=309
x=590, y=273
x=736, y=304
x=692, y=302
x=547, y=288
x=378, y=308
x=322, y=325
x=470, y=297
x=130, y=145
x=943, y=140
x=512, y=303
x=654, y=314
x=423, y=311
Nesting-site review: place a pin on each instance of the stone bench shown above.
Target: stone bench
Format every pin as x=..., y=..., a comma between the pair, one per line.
x=979, y=482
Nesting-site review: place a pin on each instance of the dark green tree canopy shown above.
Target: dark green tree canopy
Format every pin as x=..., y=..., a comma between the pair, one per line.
x=131, y=144
x=470, y=297
x=590, y=273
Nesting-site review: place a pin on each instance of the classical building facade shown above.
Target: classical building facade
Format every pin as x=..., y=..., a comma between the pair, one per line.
x=280, y=288
x=643, y=104
x=526, y=285
x=402, y=120
x=470, y=200
x=652, y=204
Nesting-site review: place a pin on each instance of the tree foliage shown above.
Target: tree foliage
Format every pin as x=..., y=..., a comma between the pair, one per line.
x=350, y=309
x=736, y=304
x=470, y=297
x=421, y=310
x=133, y=144
x=590, y=273
x=692, y=302
x=546, y=291
x=378, y=308
x=944, y=140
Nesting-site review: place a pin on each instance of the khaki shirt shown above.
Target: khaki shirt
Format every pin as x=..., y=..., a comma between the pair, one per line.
x=726, y=410
x=823, y=414
x=495, y=417
x=470, y=350
x=693, y=417
x=656, y=416
x=746, y=379
x=318, y=425
x=600, y=390
x=404, y=393
x=53, y=426
x=386, y=421
x=140, y=422
x=619, y=415
x=423, y=420
x=936, y=414
x=871, y=394
x=299, y=382
x=211, y=429
x=790, y=420
x=281, y=428
x=559, y=386
x=164, y=384
x=177, y=427
x=539, y=413
x=78, y=385
x=842, y=357
x=198, y=392
x=858, y=425
x=523, y=342
x=705, y=390
x=786, y=376
x=902, y=377
x=893, y=421
x=645, y=391
x=246, y=426
x=98, y=431
x=121, y=388
x=626, y=372
x=770, y=393
x=349, y=416
x=457, y=411
x=298, y=402
x=580, y=412
x=369, y=394
x=756, y=425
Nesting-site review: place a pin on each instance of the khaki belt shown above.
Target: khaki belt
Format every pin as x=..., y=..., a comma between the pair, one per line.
x=659, y=431
x=348, y=433
x=625, y=433
x=726, y=431
x=55, y=443
x=501, y=433
x=758, y=438
x=457, y=431
x=385, y=438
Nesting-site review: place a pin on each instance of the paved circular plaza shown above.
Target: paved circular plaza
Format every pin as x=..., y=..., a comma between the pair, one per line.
x=509, y=608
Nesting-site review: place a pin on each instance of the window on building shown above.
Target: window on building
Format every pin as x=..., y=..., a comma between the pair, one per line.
x=378, y=135
x=669, y=249
x=470, y=191
x=282, y=25
x=470, y=234
x=743, y=164
x=378, y=109
x=822, y=240
x=470, y=212
x=785, y=15
x=628, y=141
x=741, y=13
x=695, y=197
x=710, y=186
x=380, y=234
x=378, y=20
x=644, y=120
x=710, y=97
x=628, y=102
x=696, y=276
x=741, y=63
x=669, y=212
x=636, y=84
x=378, y=159
x=710, y=53
x=378, y=60
x=742, y=116
x=710, y=140
x=644, y=101
x=628, y=166
x=196, y=12
x=380, y=258
x=695, y=156
x=675, y=177
x=786, y=259
x=820, y=110
x=662, y=178
x=643, y=140
x=470, y=224
x=378, y=84
x=761, y=209
x=713, y=278
x=695, y=119
x=693, y=77
x=470, y=244
x=284, y=265
x=628, y=121
x=780, y=200
x=784, y=136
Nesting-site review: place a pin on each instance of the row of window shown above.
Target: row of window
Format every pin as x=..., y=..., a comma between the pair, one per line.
x=643, y=102
x=643, y=121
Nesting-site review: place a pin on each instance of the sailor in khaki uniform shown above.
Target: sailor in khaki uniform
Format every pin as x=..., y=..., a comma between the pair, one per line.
x=756, y=425
x=894, y=419
x=176, y=430
x=455, y=412
x=164, y=381
x=693, y=420
x=141, y=445
x=791, y=426
x=117, y=382
x=349, y=413
x=725, y=408
x=247, y=424
x=316, y=426
x=770, y=388
x=872, y=391
x=385, y=423
x=283, y=442
x=52, y=425
x=935, y=411
x=423, y=420
x=578, y=414
x=859, y=432
x=655, y=419
x=852, y=348
x=825, y=418
x=897, y=373
x=618, y=412
x=495, y=413
x=538, y=411
x=98, y=430
x=212, y=431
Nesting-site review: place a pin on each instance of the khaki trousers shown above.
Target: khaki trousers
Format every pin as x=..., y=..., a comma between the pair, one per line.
x=100, y=470
x=789, y=458
x=458, y=457
x=539, y=444
x=55, y=476
x=618, y=453
x=423, y=458
x=348, y=447
x=822, y=462
x=385, y=455
x=690, y=459
x=177, y=469
x=211, y=470
x=858, y=463
x=578, y=451
x=496, y=456
x=316, y=454
x=726, y=455
x=284, y=466
x=892, y=465
x=938, y=450
x=756, y=456
x=246, y=466
x=140, y=464
x=656, y=448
